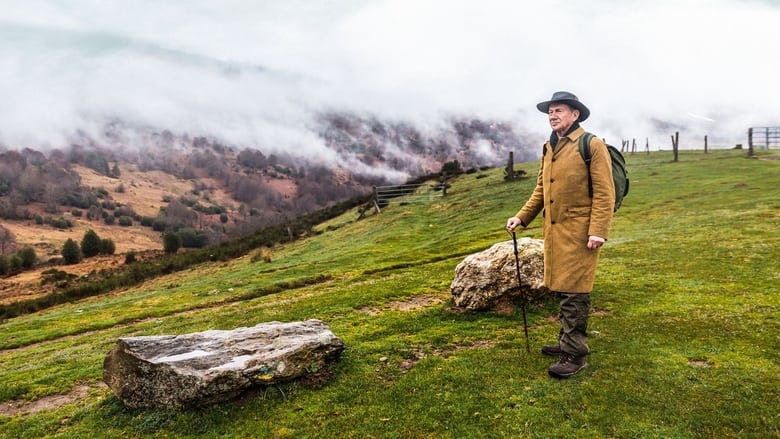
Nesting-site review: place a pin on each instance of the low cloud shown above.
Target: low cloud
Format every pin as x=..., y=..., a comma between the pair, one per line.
x=260, y=74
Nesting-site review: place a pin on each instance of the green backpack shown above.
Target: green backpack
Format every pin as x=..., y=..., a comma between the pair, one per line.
x=619, y=172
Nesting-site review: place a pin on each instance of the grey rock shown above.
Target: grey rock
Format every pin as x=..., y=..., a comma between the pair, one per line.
x=488, y=279
x=211, y=366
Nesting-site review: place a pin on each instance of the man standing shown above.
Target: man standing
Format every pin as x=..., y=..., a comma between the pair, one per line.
x=576, y=224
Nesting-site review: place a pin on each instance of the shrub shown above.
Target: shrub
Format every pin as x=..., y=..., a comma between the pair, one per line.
x=90, y=244
x=191, y=238
x=101, y=192
x=171, y=242
x=3, y=265
x=53, y=275
x=130, y=257
x=28, y=257
x=38, y=219
x=109, y=220
x=125, y=221
x=159, y=225
x=14, y=264
x=107, y=247
x=60, y=223
x=146, y=221
x=76, y=212
x=71, y=252
x=223, y=218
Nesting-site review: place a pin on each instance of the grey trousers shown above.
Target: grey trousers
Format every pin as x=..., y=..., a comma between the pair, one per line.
x=574, y=309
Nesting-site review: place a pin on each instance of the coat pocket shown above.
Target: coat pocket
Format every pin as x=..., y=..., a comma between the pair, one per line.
x=578, y=212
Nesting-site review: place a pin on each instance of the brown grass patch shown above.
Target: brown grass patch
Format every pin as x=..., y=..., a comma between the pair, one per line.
x=413, y=303
x=50, y=402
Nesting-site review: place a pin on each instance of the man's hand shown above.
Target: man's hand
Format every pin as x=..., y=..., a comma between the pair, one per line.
x=512, y=223
x=595, y=242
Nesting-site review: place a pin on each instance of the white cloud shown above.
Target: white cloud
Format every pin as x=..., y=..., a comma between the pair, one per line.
x=255, y=73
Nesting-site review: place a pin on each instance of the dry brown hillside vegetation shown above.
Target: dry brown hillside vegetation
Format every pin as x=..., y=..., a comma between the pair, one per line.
x=203, y=191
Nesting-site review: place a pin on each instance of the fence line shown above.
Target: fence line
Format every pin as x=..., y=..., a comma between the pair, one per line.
x=415, y=193
x=764, y=137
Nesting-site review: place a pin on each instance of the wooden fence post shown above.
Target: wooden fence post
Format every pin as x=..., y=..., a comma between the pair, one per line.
x=750, y=142
x=376, y=201
x=647, y=145
x=510, y=167
x=705, y=144
x=675, y=143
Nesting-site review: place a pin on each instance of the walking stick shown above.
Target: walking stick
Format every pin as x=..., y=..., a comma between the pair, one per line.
x=522, y=294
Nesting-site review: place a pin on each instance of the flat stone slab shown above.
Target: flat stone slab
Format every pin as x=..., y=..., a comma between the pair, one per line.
x=211, y=366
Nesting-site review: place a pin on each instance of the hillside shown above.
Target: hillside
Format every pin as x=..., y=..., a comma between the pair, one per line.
x=683, y=331
x=205, y=191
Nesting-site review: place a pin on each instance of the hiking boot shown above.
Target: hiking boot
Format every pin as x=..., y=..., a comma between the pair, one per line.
x=567, y=366
x=553, y=350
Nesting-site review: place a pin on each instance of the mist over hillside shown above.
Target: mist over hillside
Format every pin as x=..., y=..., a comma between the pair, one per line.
x=227, y=189
x=263, y=74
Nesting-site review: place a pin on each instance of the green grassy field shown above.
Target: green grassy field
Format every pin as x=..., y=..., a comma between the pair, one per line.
x=685, y=331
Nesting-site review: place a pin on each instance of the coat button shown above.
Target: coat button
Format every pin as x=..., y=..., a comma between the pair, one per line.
x=552, y=180
x=552, y=201
x=552, y=222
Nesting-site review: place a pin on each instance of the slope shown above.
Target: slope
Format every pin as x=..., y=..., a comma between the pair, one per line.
x=684, y=329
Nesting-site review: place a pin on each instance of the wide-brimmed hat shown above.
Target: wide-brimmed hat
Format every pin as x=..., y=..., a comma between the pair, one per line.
x=564, y=97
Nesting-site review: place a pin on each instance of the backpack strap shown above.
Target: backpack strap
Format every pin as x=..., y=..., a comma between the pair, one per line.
x=585, y=153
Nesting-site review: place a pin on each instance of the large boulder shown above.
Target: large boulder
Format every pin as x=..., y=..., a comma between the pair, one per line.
x=488, y=280
x=211, y=366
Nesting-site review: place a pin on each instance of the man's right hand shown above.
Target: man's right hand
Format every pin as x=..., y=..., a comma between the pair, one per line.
x=512, y=223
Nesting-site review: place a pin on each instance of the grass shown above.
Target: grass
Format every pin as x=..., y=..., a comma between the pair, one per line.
x=684, y=329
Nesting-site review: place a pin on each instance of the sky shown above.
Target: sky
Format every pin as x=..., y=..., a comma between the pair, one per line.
x=258, y=73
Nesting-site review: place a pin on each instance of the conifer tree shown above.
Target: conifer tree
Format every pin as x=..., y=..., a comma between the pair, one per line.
x=71, y=252
x=91, y=244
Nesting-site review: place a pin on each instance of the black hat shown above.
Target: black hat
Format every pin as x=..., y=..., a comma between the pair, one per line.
x=567, y=98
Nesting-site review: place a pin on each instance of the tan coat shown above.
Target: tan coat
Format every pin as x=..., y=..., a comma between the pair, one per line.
x=570, y=215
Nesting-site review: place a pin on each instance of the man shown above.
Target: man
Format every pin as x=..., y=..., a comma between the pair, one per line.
x=575, y=225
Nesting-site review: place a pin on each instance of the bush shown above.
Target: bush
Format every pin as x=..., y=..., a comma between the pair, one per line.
x=28, y=257
x=107, y=247
x=71, y=252
x=76, y=212
x=159, y=225
x=125, y=221
x=147, y=221
x=191, y=238
x=223, y=218
x=171, y=242
x=53, y=275
x=60, y=223
x=15, y=264
x=38, y=219
x=4, y=265
x=90, y=244
x=109, y=220
x=130, y=257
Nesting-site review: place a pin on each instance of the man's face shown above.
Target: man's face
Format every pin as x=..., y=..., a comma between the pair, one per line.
x=562, y=117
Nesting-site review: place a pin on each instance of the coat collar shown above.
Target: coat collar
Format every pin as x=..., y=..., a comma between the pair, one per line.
x=573, y=134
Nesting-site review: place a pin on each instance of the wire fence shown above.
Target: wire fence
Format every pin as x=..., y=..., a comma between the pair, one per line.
x=415, y=193
x=763, y=137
